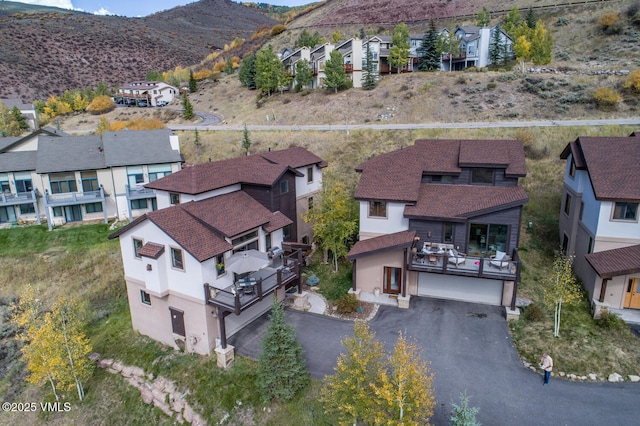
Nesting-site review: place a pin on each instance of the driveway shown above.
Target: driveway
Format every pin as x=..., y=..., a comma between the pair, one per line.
x=470, y=351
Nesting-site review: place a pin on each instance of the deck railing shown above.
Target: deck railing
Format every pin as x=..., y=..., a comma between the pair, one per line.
x=476, y=266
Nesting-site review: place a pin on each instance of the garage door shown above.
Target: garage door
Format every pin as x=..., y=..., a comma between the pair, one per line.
x=234, y=323
x=477, y=290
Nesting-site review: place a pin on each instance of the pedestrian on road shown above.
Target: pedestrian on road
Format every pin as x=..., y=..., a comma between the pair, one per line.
x=546, y=363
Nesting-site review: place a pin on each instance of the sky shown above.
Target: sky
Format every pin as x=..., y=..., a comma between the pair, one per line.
x=133, y=8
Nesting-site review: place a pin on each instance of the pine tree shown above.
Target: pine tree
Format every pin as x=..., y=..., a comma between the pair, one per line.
x=304, y=74
x=269, y=70
x=228, y=66
x=20, y=122
x=428, y=58
x=247, y=71
x=187, y=108
x=496, y=46
x=399, y=52
x=335, y=74
x=483, y=18
x=308, y=40
x=511, y=21
x=246, y=141
x=349, y=394
x=193, y=85
x=370, y=75
x=282, y=371
x=531, y=18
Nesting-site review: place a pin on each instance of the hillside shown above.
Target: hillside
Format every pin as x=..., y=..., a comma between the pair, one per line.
x=46, y=53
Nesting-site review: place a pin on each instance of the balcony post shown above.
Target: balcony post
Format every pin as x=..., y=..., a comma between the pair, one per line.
x=34, y=194
x=236, y=298
x=259, y=287
x=104, y=205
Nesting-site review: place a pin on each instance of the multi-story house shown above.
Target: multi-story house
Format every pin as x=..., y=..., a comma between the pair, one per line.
x=28, y=111
x=77, y=178
x=150, y=93
x=475, y=47
x=441, y=219
x=599, y=218
x=180, y=262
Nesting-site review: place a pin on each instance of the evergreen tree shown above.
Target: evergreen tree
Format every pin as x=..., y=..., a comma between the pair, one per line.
x=247, y=71
x=336, y=36
x=541, y=45
x=304, y=74
x=246, y=141
x=308, y=40
x=228, y=66
x=335, y=74
x=282, y=371
x=531, y=18
x=496, y=46
x=369, y=73
x=20, y=122
x=270, y=72
x=187, y=108
x=399, y=52
x=483, y=18
x=193, y=85
x=511, y=21
x=428, y=57
x=362, y=34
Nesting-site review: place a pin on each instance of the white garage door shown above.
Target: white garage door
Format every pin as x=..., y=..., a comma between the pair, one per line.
x=233, y=322
x=477, y=290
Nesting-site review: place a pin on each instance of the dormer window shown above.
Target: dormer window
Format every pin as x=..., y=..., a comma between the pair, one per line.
x=377, y=209
x=481, y=176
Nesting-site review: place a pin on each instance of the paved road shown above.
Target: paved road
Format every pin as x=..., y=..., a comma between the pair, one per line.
x=413, y=126
x=470, y=350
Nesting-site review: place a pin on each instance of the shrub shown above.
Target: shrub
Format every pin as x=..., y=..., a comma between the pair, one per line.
x=461, y=80
x=219, y=67
x=491, y=85
x=347, y=303
x=533, y=313
x=277, y=29
x=562, y=56
x=403, y=88
x=100, y=105
x=611, y=23
x=610, y=321
x=562, y=21
x=633, y=81
x=507, y=77
x=633, y=10
x=606, y=97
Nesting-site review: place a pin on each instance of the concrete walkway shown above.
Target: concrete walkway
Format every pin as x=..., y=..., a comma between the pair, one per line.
x=470, y=350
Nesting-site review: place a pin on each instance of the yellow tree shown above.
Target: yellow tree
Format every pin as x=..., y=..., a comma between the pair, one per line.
x=561, y=287
x=349, y=393
x=79, y=103
x=522, y=50
x=541, y=45
x=103, y=125
x=100, y=105
x=404, y=395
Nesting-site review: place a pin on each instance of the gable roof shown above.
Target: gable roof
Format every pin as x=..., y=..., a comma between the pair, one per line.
x=615, y=262
x=382, y=243
x=127, y=148
x=396, y=176
x=151, y=250
x=200, y=227
x=63, y=154
x=18, y=161
x=258, y=169
x=609, y=162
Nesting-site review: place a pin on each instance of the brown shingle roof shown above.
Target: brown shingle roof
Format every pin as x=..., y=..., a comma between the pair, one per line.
x=151, y=250
x=396, y=176
x=277, y=221
x=382, y=243
x=611, y=164
x=616, y=262
x=294, y=157
x=259, y=169
x=445, y=201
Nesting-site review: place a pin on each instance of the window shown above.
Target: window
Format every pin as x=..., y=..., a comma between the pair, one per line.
x=310, y=174
x=139, y=204
x=137, y=245
x=590, y=248
x=93, y=207
x=23, y=182
x=135, y=176
x=62, y=182
x=567, y=204
x=174, y=198
x=625, y=211
x=377, y=209
x=310, y=203
x=245, y=242
x=57, y=211
x=27, y=208
x=89, y=181
x=4, y=183
x=177, y=321
x=565, y=243
x=158, y=171
x=145, y=298
x=176, y=258
x=7, y=214
x=220, y=266
x=581, y=209
x=284, y=187
x=481, y=175
x=572, y=168
x=441, y=178
x=305, y=239
x=286, y=232
x=448, y=232
x=267, y=239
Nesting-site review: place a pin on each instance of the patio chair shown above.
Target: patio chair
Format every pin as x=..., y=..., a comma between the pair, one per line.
x=500, y=260
x=456, y=257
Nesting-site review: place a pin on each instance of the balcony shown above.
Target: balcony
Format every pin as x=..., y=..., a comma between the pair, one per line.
x=473, y=266
x=72, y=198
x=140, y=192
x=459, y=57
x=239, y=297
x=19, y=198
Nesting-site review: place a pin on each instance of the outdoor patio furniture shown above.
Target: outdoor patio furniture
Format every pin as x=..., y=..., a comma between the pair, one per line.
x=500, y=260
x=456, y=257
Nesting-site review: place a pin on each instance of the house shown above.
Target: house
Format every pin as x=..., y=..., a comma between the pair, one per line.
x=27, y=110
x=599, y=218
x=150, y=92
x=475, y=45
x=182, y=286
x=291, y=59
x=284, y=180
x=441, y=219
x=75, y=178
x=385, y=52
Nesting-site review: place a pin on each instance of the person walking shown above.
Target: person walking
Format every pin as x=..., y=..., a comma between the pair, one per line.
x=546, y=363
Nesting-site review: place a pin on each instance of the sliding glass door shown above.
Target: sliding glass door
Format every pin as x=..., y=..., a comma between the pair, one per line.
x=486, y=239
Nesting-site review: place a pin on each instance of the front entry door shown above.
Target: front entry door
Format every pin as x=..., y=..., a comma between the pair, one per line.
x=632, y=297
x=392, y=280
x=73, y=213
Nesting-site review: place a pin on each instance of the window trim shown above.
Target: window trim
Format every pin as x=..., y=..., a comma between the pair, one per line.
x=493, y=176
x=567, y=204
x=137, y=202
x=613, y=212
x=284, y=187
x=145, y=298
x=310, y=174
x=572, y=169
x=173, y=250
x=174, y=198
x=136, y=255
x=382, y=204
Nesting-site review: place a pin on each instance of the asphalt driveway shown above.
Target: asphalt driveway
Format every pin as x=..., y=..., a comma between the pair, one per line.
x=470, y=351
